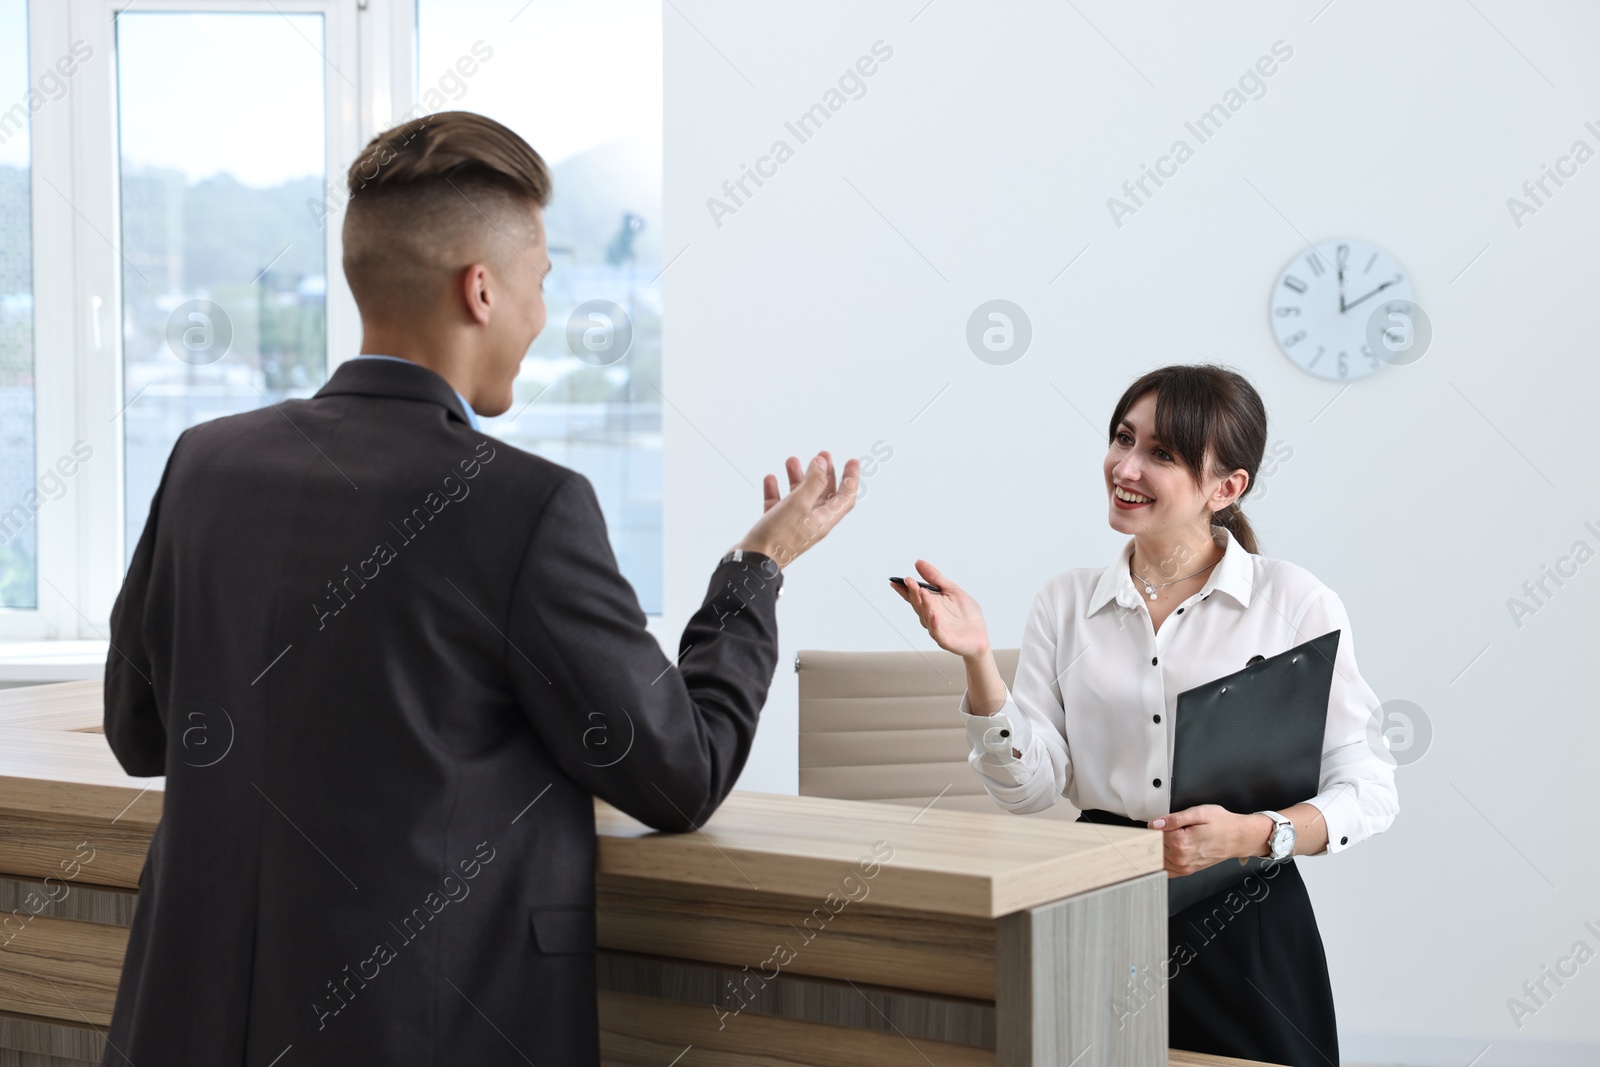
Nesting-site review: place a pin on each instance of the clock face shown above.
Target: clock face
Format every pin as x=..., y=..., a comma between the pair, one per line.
x=1323, y=301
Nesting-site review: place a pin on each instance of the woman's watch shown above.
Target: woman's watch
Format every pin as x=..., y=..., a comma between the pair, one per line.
x=1280, y=843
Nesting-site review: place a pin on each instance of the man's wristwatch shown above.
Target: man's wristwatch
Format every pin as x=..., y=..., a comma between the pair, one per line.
x=745, y=555
x=765, y=564
x=1280, y=843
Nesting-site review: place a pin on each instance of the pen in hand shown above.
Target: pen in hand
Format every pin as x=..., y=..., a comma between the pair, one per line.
x=925, y=585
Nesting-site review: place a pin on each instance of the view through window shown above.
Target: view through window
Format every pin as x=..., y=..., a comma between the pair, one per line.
x=224, y=273
x=581, y=81
x=20, y=495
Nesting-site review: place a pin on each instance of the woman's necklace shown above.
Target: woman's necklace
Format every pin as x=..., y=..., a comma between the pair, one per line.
x=1150, y=590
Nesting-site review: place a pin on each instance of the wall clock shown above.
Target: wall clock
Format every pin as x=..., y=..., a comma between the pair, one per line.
x=1322, y=303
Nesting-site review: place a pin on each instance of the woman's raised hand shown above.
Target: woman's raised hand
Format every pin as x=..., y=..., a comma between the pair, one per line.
x=951, y=617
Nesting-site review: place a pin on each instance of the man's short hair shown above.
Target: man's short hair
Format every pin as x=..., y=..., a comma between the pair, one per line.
x=432, y=196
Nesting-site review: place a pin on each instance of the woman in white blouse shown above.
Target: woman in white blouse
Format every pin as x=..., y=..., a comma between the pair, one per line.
x=1104, y=655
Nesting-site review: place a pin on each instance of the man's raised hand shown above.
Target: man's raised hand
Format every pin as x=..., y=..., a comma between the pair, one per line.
x=791, y=524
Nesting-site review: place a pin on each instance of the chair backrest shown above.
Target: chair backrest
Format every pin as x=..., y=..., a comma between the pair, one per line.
x=884, y=726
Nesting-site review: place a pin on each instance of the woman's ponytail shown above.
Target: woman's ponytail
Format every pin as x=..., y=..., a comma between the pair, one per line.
x=1233, y=518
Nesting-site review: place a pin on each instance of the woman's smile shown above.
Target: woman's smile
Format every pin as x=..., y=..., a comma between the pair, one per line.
x=1128, y=500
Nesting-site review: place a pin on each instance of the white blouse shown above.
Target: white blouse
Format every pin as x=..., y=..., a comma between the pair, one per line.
x=1091, y=710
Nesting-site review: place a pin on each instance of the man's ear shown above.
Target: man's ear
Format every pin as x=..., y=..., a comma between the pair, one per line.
x=475, y=292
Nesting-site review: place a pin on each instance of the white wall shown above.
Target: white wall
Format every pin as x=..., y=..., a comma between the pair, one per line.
x=830, y=309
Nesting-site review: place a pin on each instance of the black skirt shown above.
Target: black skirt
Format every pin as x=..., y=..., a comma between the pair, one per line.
x=1246, y=975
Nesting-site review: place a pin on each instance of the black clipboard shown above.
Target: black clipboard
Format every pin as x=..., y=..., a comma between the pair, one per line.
x=1251, y=741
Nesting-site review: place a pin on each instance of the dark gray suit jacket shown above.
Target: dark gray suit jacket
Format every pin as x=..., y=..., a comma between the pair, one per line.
x=385, y=661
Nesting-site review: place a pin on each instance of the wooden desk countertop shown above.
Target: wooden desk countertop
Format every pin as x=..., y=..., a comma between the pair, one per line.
x=54, y=763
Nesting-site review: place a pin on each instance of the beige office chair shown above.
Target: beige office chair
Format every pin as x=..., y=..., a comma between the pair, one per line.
x=883, y=726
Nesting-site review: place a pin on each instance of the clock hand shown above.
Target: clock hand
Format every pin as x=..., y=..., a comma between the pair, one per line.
x=1379, y=289
x=1341, y=289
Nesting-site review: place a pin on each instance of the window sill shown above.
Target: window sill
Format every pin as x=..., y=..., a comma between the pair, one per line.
x=42, y=662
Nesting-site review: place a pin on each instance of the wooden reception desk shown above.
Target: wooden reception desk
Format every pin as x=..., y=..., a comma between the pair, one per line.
x=788, y=931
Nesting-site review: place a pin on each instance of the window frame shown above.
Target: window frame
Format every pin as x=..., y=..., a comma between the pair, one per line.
x=77, y=272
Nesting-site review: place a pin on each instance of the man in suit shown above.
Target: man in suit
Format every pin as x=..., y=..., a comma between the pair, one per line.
x=386, y=662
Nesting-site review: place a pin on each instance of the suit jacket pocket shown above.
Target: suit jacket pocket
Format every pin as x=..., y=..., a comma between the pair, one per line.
x=563, y=930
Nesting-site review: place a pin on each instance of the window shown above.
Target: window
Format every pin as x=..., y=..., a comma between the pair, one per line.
x=170, y=184
x=580, y=80
x=224, y=272
x=20, y=493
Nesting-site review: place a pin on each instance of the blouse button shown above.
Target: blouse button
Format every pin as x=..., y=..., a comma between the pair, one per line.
x=1152, y=661
x=1180, y=611
x=1156, y=782
x=1157, y=718
x=1344, y=840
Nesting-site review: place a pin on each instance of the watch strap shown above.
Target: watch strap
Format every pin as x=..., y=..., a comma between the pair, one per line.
x=760, y=562
x=1279, y=821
